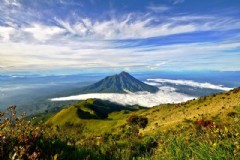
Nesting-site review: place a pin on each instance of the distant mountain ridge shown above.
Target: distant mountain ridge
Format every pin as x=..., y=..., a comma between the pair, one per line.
x=118, y=83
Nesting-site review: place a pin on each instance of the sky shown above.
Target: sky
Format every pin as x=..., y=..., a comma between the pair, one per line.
x=75, y=36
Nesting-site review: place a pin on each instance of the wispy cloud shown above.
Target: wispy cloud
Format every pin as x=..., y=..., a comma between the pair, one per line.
x=98, y=54
x=6, y=32
x=42, y=33
x=12, y=3
x=178, y=1
x=134, y=26
x=158, y=8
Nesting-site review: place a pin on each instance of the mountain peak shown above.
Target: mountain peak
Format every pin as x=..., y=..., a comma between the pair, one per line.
x=119, y=83
x=124, y=73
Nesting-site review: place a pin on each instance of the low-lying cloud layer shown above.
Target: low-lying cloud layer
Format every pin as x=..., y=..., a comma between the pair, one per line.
x=164, y=95
x=157, y=82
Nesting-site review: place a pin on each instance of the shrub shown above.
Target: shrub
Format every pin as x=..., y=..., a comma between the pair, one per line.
x=232, y=114
x=139, y=121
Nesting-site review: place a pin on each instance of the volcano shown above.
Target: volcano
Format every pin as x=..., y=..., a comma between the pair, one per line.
x=119, y=83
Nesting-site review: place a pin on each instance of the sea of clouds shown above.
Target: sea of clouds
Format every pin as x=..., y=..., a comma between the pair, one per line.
x=165, y=94
x=158, y=81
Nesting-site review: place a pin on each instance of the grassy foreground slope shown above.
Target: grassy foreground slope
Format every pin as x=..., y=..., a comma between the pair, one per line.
x=221, y=108
x=206, y=128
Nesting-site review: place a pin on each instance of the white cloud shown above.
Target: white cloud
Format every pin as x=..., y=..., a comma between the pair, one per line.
x=158, y=8
x=158, y=81
x=164, y=95
x=126, y=26
x=178, y=1
x=6, y=32
x=134, y=26
x=103, y=54
x=14, y=3
x=91, y=43
x=67, y=26
x=42, y=32
x=129, y=27
x=192, y=18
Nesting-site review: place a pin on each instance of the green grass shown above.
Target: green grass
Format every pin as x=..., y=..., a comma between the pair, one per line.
x=237, y=108
x=194, y=143
x=96, y=116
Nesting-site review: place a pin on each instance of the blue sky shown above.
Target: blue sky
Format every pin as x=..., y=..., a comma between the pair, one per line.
x=69, y=36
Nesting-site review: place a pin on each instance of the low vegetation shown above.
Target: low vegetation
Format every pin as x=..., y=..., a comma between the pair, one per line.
x=205, y=128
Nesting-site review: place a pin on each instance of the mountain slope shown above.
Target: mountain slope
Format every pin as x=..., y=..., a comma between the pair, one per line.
x=223, y=108
x=118, y=84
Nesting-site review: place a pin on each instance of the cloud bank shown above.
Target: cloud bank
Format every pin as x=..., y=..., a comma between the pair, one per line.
x=146, y=99
x=158, y=81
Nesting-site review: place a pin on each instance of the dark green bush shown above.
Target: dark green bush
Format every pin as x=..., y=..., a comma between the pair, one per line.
x=139, y=121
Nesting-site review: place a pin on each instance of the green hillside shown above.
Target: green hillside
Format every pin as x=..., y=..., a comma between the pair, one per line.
x=221, y=108
x=93, y=114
